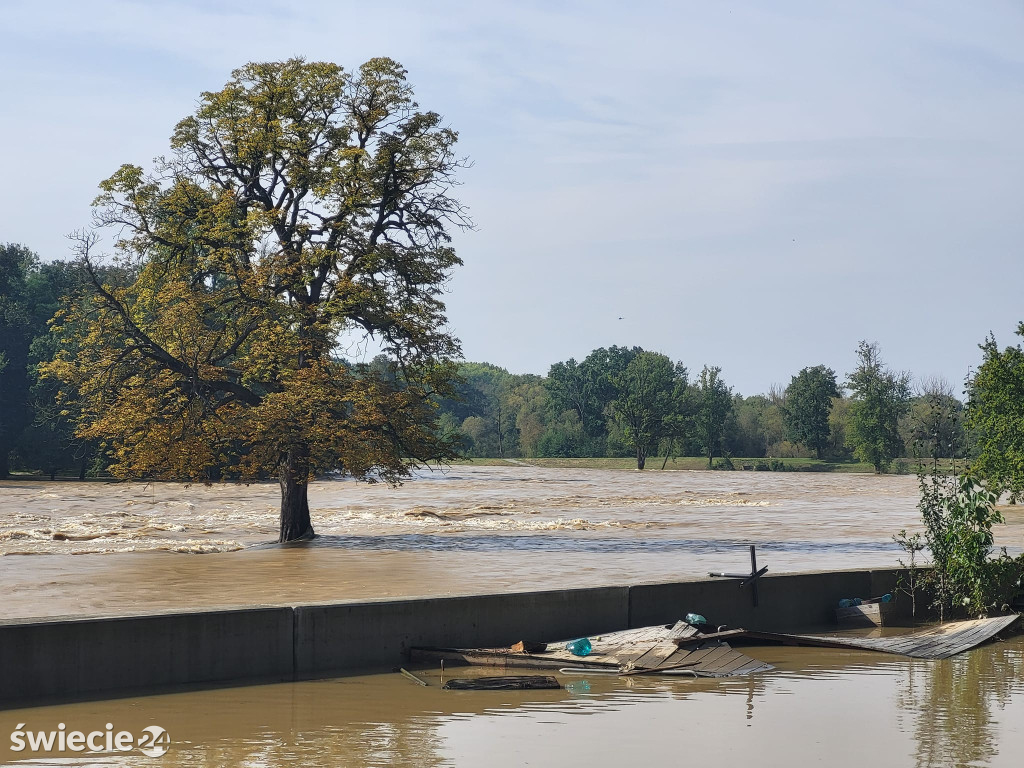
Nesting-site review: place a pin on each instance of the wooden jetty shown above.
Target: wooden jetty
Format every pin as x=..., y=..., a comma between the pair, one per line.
x=937, y=642
x=674, y=649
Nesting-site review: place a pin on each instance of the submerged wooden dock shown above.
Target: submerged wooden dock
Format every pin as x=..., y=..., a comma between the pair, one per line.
x=937, y=642
x=677, y=649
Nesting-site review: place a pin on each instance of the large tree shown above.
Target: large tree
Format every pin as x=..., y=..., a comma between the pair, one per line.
x=645, y=401
x=588, y=389
x=995, y=415
x=879, y=399
x=712, y=405
x=808, y=403
x=303, y=209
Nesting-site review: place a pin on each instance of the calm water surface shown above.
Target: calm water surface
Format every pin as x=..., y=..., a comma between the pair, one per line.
x=820, y=707
x=92, y=548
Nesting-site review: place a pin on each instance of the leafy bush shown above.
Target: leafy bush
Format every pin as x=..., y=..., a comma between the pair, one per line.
x=958, y=515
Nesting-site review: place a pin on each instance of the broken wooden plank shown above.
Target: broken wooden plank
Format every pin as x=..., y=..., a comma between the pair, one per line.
x=938, y=642
x=655, y=647
x=698, y=638
x=500, y=657
x=506, y=683
x=659, y=670
x=411, y=676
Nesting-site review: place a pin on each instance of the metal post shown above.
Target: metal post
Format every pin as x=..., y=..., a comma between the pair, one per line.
x=753, y=571
x=747, y=578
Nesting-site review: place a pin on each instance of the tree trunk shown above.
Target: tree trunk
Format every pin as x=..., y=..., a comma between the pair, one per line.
x=294, y=480
x=641, y=457
x=5, y=467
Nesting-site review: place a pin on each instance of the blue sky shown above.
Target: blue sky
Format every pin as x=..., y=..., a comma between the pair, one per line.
x=747, y=184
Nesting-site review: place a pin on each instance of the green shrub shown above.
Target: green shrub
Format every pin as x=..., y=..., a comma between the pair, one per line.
x=958, y=516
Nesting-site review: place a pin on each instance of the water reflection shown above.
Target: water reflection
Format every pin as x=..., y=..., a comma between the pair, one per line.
x=821, y=706
x=950, y=703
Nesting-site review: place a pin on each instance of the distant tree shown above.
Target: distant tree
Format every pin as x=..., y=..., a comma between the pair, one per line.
x=486, y=390
x=750, y=423
x=17, y=263
x=808, y=403
x=588, y=388
x=933, y=426
x=995, y=416
x=49, y=443
x=571, y=388
x=562, y=436
x=644, y=402
x=678, y=424
x=773, y=419
x=879, y=399
x=528, y=402
x=838, y=427
x=712, y=406
x=302, y=207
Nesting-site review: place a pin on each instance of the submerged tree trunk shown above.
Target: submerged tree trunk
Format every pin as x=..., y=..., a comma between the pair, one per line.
x=294, y=480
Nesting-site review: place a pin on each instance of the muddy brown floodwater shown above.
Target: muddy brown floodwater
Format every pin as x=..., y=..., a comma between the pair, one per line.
x=819, y=707
x=95, y=548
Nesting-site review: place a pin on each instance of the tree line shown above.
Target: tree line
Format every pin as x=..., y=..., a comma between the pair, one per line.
x=628, y=401
x=615, y=402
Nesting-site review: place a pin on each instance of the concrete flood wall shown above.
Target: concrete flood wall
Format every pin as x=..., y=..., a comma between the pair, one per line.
x=365, y=635
x=47, y=660
x=785, y=603
x=85, y=658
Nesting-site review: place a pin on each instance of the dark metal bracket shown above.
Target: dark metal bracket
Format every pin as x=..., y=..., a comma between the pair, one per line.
x=747, y=578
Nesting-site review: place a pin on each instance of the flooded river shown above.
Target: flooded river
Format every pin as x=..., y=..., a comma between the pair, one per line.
x=95, y=548
x=819, y=707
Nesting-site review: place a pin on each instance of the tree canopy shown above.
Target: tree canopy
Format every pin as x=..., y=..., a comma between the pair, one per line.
x=995, y=412
x=712, y=406
x=303, y=207
x=808, y=404
x=645, y=401
x=880, y=398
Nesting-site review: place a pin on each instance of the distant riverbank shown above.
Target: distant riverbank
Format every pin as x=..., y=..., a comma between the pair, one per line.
x=654, y=464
